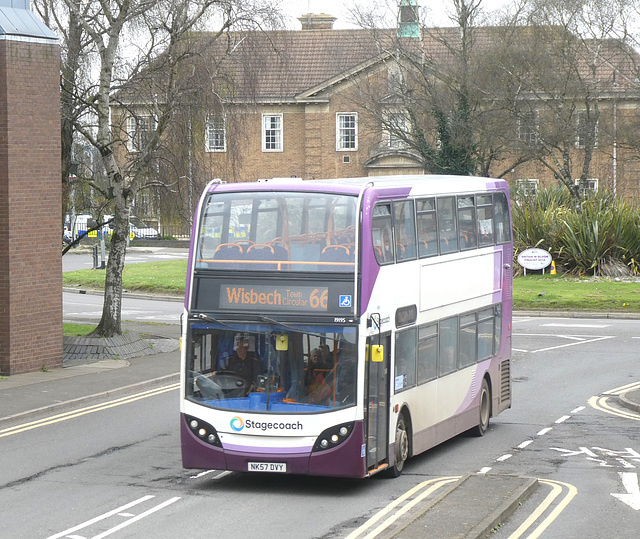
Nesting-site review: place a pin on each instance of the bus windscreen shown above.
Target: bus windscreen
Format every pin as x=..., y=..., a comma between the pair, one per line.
x=278, y=231
x=272, y=369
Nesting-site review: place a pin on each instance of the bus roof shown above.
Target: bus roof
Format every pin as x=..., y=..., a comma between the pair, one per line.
x=415, y=184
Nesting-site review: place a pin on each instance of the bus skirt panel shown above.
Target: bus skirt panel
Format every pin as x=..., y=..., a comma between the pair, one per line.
x=345, y=460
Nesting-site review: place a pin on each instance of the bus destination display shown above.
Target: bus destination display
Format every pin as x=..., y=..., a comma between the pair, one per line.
x=274, y=297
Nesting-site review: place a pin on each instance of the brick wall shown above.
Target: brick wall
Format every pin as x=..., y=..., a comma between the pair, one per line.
x=30, y=206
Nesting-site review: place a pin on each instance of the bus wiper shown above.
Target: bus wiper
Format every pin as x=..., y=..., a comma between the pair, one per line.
x=289, y=327
x=281, y=324
x=207, y=318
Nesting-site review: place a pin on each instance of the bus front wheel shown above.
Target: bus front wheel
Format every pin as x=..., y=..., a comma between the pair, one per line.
x=484, y=411
x=401, y=448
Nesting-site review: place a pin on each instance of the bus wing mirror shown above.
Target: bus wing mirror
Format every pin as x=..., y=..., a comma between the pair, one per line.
x=282, y=342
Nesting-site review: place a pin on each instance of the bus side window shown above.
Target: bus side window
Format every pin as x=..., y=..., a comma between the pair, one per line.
x=448, y=346
x=405, y=228
x=468, y=340
x=427, y=228
x=405, y=359
x=427, y=353
x=485, y=220
x=501, y=213
x=485, y=333
x=467, y=222
x=382, y=234
x=447, y=232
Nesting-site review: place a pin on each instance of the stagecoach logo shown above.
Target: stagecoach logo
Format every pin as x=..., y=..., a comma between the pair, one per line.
x=237, y=424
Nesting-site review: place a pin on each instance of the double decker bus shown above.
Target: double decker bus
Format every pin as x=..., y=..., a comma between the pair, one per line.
x=338, y=327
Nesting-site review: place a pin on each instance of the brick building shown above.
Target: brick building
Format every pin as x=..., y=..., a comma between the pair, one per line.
x=30, y=193
x=307, y=103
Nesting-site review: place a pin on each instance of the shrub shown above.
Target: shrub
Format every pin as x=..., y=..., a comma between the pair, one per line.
x=600, y=236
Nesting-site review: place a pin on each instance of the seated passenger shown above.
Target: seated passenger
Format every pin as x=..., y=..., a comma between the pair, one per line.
x=318, y=391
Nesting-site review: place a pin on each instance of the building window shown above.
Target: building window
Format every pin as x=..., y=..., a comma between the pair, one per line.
x=526, y=188
x=587, y=187
x=346, y=131
x=138, y=132
x=528, y=128
x=272, y=132
x=585, y=127
x=215, y=137
x=396, y=128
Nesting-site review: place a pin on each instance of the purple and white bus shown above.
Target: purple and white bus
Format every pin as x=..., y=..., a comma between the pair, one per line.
x=338, y=327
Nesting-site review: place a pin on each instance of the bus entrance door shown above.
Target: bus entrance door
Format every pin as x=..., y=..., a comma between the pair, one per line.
x=377, y=403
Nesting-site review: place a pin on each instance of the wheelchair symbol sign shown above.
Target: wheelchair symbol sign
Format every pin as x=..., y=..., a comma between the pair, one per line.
x=345, y=301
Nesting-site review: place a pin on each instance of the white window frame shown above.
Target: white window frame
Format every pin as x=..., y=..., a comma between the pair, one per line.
x=591, y=187
x=215, y=123
x=401, y=120
x=131, y=125
x=134, y=131
x=528, y=132
x=527, y=186
x=341, y=132
x=278, y=131
x=581, y=123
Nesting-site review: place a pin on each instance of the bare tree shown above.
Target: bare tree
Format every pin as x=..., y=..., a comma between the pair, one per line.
x=443, y=99
x=565, y=66
x=125, y=38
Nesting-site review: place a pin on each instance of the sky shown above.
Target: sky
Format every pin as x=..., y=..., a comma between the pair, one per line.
x=340, y=8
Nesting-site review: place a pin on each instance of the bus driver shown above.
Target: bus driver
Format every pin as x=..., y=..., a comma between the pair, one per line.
x=243, y=362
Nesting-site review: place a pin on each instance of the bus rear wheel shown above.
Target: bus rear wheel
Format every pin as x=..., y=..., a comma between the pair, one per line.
x=484, y=411
x=401, y=448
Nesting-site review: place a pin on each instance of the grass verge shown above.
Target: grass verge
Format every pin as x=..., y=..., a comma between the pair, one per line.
x=76, y=330
x=530, y=293
x=562, y=293
x=165, y=277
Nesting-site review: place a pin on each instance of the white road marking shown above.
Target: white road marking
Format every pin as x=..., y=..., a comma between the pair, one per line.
x=632, y=496
x=562, y=419
x=136, y=519
x=578, y=339
x=544, y=431
x=101, y=517
x=504, y=457
x=525, y=444
x=484, y=470
x=120, y=512
x=597, y=326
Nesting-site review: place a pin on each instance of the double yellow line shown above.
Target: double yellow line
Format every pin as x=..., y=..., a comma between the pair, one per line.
x=378, y=524
x=556, y=489
x=427, y=488
x=84, y=411
x=602, y=403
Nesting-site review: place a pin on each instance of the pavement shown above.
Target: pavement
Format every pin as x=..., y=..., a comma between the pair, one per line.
x=26, y=396
x=481, y=501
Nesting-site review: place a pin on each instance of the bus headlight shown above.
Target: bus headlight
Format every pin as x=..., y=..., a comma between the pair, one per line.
x=203, y=430
x=332, y=437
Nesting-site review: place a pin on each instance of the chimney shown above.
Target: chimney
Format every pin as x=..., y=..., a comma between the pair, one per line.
x=319, y=21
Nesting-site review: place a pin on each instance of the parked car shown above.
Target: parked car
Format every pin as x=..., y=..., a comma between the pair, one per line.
x=140, y=229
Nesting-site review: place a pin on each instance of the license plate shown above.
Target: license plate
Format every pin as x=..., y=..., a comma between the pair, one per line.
x=267, y=467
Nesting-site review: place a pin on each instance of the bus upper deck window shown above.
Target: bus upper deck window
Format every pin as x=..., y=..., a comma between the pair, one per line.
x=382, y=234
x=405, y=229
x=447, y=229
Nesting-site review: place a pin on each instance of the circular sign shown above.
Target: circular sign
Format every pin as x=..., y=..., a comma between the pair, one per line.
x=534, y=259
